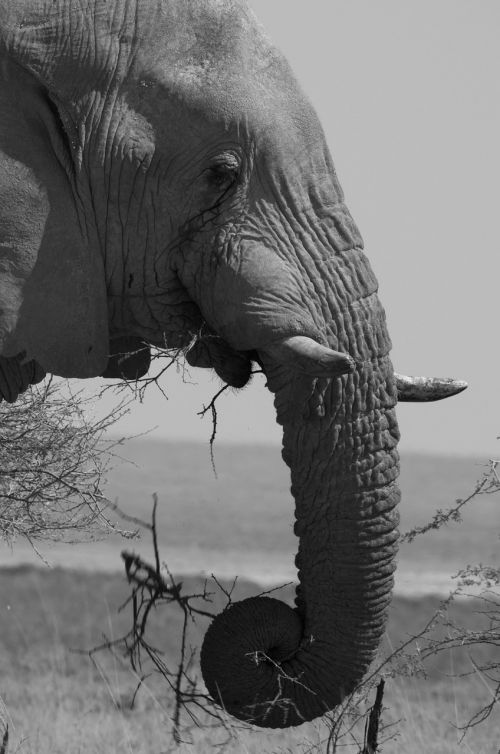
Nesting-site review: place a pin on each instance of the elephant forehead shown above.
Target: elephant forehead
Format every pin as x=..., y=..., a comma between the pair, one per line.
x=214, y=60
x=73, y=44
x=210, y=56
x=199, y=39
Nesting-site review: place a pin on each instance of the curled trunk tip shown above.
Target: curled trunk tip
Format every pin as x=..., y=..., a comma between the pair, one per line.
x=249, y=667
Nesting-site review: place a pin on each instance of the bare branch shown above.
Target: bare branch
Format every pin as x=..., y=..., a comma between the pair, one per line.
x=487, y=485
x=53, y=463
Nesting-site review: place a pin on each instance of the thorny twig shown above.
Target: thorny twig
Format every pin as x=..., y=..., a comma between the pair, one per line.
x=212, y=408
x=407, y=661
x=175, y=358
x=202, y=413
x=346, y=717
x=138, y=387
x=484, y=577
x=487, y=485
x=53, y=462
x=152, y=588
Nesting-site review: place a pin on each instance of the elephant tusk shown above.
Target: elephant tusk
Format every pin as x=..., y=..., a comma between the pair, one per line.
x=421, y=389
x=309, y=357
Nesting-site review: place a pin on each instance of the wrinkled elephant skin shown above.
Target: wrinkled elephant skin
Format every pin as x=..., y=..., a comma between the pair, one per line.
x=163, y=180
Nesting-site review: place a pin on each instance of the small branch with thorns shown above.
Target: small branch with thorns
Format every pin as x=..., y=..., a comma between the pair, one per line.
x=153, y=586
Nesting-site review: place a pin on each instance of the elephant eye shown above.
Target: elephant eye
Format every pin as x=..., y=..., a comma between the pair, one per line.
x=223, y=172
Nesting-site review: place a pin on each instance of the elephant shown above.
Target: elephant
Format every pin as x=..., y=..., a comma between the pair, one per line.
x=164, y=181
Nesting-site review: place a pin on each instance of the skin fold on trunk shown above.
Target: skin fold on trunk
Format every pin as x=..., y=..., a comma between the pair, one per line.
x=276, y=666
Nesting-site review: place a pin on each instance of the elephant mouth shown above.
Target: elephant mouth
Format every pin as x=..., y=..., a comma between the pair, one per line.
x=130, y=359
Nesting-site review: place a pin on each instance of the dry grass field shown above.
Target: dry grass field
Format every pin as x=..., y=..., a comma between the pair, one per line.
x=57, y=701
x=241, y=522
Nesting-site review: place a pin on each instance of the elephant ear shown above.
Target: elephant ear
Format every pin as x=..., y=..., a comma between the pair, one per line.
x=52, y=291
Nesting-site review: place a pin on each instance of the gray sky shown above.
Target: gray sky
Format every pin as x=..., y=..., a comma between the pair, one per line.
x=408, y=94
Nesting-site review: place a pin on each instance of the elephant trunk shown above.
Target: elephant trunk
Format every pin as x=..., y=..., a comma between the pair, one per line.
x=275, y=666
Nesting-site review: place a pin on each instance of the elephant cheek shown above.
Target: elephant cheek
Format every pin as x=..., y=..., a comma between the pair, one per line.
x=257, y=302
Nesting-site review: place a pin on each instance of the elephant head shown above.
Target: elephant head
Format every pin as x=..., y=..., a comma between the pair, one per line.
x=164, y=180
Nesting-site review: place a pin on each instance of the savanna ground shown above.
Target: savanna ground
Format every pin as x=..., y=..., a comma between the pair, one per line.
x=57, y=700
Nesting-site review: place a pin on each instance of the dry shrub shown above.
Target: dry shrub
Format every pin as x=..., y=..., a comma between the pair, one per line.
x=53, y=461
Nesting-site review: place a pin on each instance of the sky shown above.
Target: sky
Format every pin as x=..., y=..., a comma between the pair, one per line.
x=409, y=97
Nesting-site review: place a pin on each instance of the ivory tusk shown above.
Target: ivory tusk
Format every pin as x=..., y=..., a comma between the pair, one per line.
x=421, y=389
x=309, y=357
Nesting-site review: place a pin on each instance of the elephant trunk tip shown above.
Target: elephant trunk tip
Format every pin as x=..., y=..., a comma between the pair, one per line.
x=259, y=666
x=242, y=661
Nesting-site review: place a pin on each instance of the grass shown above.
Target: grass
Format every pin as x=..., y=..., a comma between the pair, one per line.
x=56, y=700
